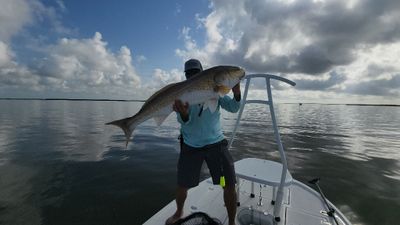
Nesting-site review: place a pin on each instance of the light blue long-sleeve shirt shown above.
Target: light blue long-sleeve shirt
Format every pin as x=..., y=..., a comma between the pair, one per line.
x=205, y=129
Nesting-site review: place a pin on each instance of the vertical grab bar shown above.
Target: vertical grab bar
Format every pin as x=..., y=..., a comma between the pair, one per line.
x=279, y=197
x=246, y=90
x=235, y=129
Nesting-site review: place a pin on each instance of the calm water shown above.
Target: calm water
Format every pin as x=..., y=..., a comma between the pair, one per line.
x=59, y=164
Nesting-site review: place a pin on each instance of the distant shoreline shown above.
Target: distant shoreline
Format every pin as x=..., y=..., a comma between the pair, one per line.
x=75, y=99
x=138, y=100
x=391, y=105
x=349, y=104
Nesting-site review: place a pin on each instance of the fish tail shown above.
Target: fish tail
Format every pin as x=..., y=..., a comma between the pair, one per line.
x=126, y=126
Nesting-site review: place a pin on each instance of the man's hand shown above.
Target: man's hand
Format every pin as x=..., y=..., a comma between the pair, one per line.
x=182, y=109
x=236, y=92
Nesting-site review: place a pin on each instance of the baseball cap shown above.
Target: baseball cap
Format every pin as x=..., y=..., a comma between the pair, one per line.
x=193, y=64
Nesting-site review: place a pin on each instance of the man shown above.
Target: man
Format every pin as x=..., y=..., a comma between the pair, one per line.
x=202, y=140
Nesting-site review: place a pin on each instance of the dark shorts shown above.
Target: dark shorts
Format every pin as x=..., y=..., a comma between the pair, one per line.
x=217, y=157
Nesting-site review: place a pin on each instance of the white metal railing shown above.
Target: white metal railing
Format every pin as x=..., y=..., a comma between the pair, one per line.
x=269, y=102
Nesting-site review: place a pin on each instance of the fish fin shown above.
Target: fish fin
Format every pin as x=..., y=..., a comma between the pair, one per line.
x=124, y=125
x=160, y=119
x=212, y=104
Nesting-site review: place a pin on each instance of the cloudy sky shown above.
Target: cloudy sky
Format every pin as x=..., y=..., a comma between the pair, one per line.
x=337, y=51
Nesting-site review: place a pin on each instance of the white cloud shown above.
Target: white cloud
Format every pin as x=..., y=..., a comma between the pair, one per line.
x=329, y=46
x=191, y=49
x=81, y=64
x=178, y=9
x=141, y=58
x=19, y=77
x=14, y=15
x=84, y=66
x=61, y=5
x=159, y=79
x=162, y=78
x=335, y=40
x=14, y=75
x=5, y=55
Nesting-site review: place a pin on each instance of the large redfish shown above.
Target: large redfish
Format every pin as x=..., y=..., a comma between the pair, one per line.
x=204, y=88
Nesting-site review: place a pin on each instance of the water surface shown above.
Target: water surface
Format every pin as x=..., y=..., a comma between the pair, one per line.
x=59, y=163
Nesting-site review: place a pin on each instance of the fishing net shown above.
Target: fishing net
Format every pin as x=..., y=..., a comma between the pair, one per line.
x=198, y=218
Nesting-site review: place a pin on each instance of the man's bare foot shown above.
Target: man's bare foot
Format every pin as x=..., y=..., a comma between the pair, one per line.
x=171, y=220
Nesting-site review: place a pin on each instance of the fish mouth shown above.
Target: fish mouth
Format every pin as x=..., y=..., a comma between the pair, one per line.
x=237, y=73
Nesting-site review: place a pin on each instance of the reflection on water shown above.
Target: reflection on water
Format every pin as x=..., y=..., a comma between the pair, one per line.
x=59, y=163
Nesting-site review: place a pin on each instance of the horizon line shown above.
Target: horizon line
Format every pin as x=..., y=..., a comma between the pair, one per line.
x=141, y=100
x=77, y=99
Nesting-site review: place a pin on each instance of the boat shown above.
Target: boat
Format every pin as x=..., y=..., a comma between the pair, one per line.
x=266, y=191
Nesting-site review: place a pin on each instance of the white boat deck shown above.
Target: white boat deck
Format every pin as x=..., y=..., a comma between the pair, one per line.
x=301, y=204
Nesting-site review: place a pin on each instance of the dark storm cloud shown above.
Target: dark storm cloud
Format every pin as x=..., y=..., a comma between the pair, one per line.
x=334, y=79
x=311, y=60
x=335, y=32
x=382, y=87
x=374, y=70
